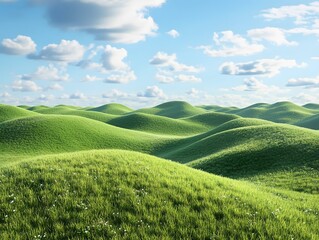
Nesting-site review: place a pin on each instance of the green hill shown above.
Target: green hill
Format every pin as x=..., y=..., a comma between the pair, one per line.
x=312, y=106
x=66, y=110
x=310, y=122
x=112, y=108
x=175, y=109
x=10, y=112
x=158, y=124
x=55, y=134
x=282, y=112
x=127, y=195
x=212, y=119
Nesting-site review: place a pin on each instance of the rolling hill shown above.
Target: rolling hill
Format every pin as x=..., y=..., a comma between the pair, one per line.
x=176, y=109
x=112, y=108
x=66, y=172
x=126, y=195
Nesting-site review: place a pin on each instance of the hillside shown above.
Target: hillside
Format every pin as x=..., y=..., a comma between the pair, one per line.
x=176, y=109
x=282, y=112
x=112, y=108
x=126, y=195
x=311, y=122
x=11, y=112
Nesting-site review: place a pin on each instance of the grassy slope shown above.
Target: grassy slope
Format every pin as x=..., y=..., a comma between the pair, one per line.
x=10, y=112
x=65, y=110
x=310, y=122
x=158, y=124
x=174, y=109
x=55, y=133
x=112, y=108
x=282, y=112
x=126, y=195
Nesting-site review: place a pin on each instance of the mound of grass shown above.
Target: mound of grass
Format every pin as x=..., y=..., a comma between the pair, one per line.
x=175, y=109
x=126, y=195
x=312, y=106
x=282, y=112
x=112, y=108
x=66, y=110
x=55, y=134
x=10, y=112
x=310, y=122
x=258, y=151
x=158, y=124
x=212, y=119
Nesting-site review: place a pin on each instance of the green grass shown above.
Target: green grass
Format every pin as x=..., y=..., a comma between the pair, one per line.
x=126, y=195
x=112, y=108
x=10, y=112
x=176, y=109
x=282, y=112
x=64, y=172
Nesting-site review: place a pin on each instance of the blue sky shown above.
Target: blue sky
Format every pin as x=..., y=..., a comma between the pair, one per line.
x=144, y=52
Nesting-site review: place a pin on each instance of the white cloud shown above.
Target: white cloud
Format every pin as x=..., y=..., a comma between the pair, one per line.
x=173, y=33
x=302, y=13
x=230, y=44
x=304, y=82
x=55, y=87
x=47, y=73
x=271, y=34
x=112, y=58
x=111, y=63
x=117, y=21
x=170, y=62
x=254, y=85
x=90, y=78
x=187, y=78
x=152, y=92
x=46, y=98
x=304, y=31
x=65, y=51
x=266, y=67
x=193, y=92
x=21, y=45
x=115, y=94
x=5, y=95
x=25, y=86
x=121, y=77
x=170, y=70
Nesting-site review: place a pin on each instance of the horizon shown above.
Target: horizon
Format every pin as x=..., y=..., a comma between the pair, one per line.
x=142, y=54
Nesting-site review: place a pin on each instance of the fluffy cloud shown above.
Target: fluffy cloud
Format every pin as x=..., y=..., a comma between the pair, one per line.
x=229, y=44
x=170, y=62
x=47, y=73
x=170, y=70
x=25, y=86
x=173, y=33
x=90, y=78
x=117, y=20
x=55, y=87
x=302, y=13
x=304, y=82
x=65, y=51
x=121, y=77
x=152, y=92
x=254, y=85
x=115, y=94
x=21, y=45
x=266, y=67
x=112, y=58
x=271, y=34
x=111, y=63
x=5, y=95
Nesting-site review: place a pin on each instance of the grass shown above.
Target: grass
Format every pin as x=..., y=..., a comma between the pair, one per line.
x=176, y=109
x=93, y=173
x=125, y=195
x=112, y=108
x=10, y=112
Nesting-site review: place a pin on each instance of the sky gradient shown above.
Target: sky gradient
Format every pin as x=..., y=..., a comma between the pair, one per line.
x=144, y=52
